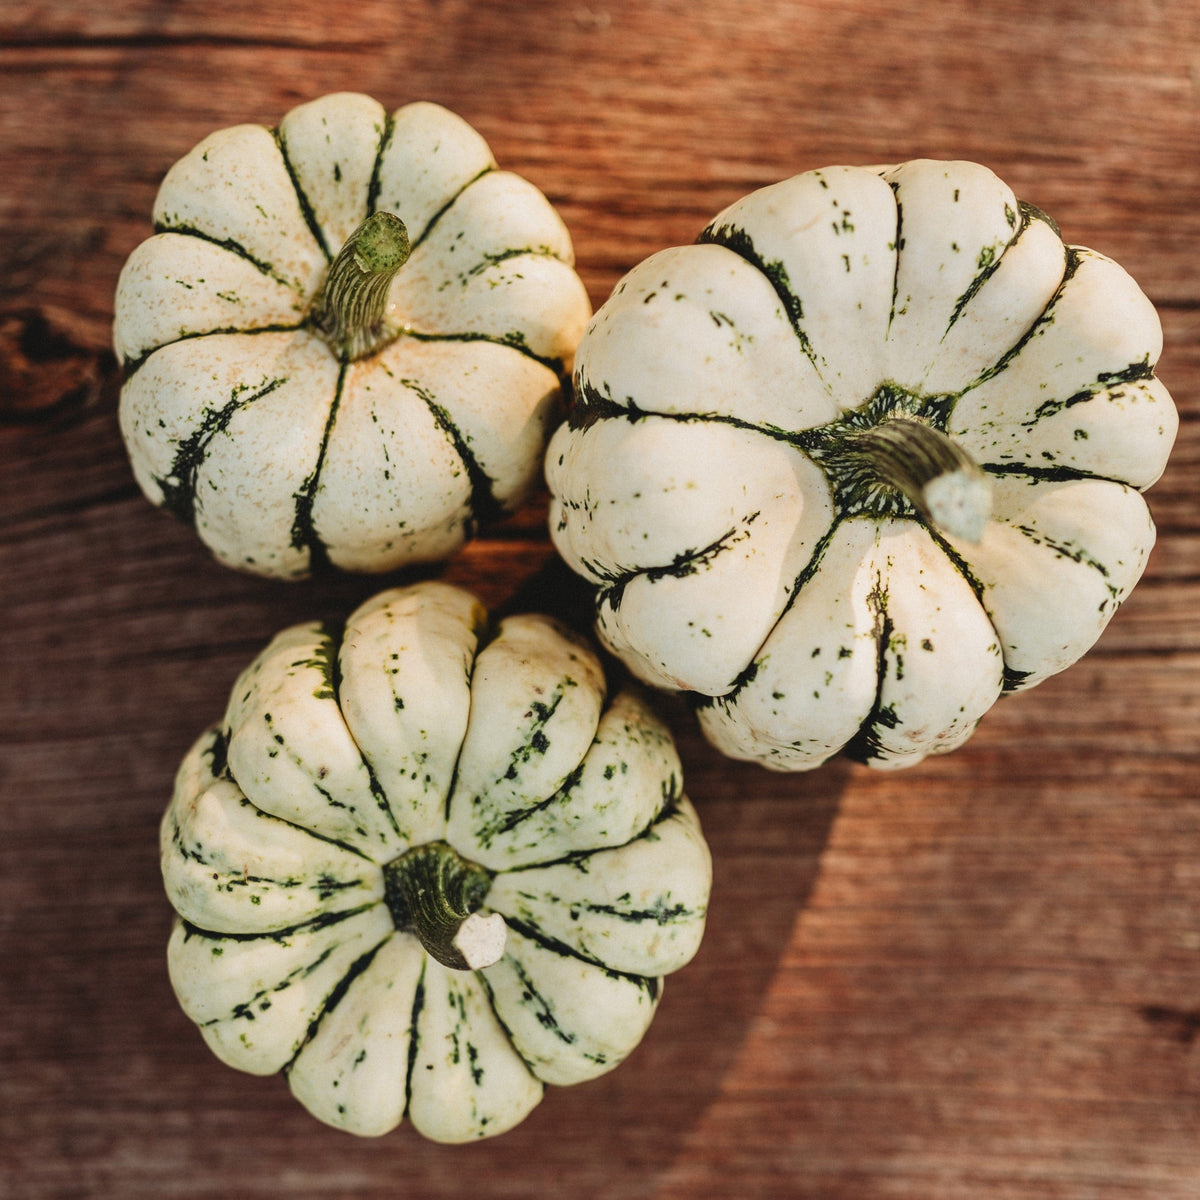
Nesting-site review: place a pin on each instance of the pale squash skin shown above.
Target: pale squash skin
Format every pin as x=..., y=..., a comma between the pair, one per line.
x=415, y=728
x=242, y=418
x=702, y=484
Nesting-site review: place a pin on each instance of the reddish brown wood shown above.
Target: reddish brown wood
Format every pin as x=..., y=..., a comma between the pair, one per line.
x=975, y=980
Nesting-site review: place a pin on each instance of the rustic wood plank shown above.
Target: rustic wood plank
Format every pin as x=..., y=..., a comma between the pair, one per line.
x=974, y=980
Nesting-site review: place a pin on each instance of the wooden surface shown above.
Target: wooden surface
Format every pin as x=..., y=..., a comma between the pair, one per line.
x=979, y=978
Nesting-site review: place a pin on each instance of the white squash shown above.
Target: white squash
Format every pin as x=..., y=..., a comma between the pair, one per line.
x=345, y=341
x=867, y=456
x=424, y=871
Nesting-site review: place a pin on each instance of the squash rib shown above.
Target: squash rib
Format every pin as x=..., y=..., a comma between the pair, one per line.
x=481, y=976
x=488, y=634
x=865, y=744
x=306, y=208
x=131, y=366
x=385, y=138
x=544, y=1013
x=335, y=996
x=330, y=663
x=688, y=563
x=483, y=504
x=898, y=247
x=417, y=239
x=810, y=569
x=414, y=1040
x=649, y=982
x=323, y=921
x=179, y=488
x=1074, y=259
x=304, y=533
x=1142, y=369
x=323, y=887
x=672, y=794
x=1028, y=214
x=545, y=1010
x=740, y=242
x=219, y=741
x=1056, y=474
x=513, y=341
x=233, y=246
x=592, y=405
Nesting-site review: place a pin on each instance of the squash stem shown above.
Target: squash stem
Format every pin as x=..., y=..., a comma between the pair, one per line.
x=434, y=893
x=350, y=310
x=943, y=482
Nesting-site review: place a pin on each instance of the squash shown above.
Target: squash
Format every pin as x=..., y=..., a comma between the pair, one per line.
x=425, y=866
x=345, y=342
x=866, y=457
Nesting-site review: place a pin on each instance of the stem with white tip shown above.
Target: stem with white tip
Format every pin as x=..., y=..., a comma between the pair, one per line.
x=941, y=480
x=434, y=893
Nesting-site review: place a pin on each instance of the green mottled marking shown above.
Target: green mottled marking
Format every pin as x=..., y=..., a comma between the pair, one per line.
x=739, y=241
x=179, y=487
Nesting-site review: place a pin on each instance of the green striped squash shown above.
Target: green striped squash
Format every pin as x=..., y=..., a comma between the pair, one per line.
x=425, y=866
x=345, y=342
x=865, y=457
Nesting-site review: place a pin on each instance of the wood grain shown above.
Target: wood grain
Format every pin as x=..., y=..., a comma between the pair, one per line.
x=979, y=978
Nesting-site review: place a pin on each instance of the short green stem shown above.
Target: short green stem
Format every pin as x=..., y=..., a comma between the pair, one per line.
x=351, y=309
x=435, y=894
x=941, y=480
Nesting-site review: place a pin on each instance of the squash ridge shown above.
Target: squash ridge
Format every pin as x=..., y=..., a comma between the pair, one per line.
x=306, y=208
x=304, y=532
x=417, y=239
x=335, y=996
x=484, y=505
x=1045, y=317
x=385, y=138
x=179, y=488
x=233, y=246
x=1028, y=215
x=414, y=1039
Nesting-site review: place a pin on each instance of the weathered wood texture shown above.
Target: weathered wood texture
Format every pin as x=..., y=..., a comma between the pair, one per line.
x=976, y=979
